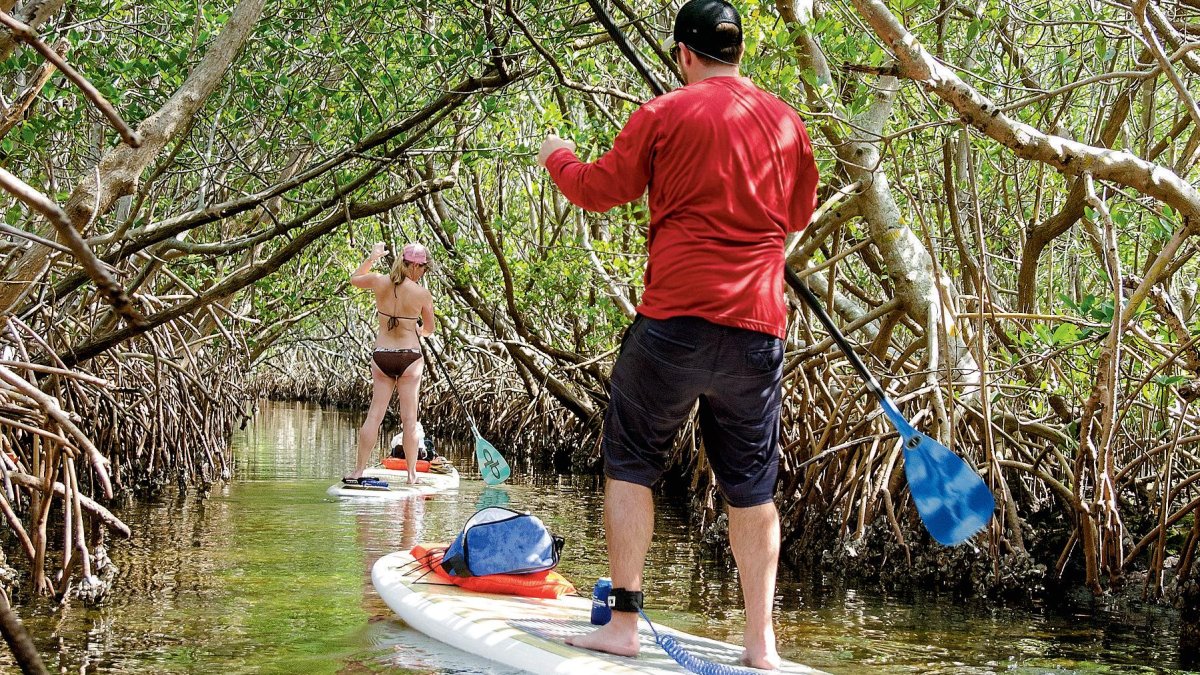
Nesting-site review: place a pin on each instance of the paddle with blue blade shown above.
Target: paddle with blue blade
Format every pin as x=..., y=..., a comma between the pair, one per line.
x=952, y=499
x=492, y=466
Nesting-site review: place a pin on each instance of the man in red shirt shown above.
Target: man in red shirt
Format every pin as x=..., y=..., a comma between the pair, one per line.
x=730, y=173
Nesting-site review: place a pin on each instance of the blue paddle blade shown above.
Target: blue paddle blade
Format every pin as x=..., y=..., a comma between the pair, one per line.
x=952, y=499
x=492, y=466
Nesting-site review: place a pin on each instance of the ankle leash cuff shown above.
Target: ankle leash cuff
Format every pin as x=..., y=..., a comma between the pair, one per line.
x=621, y=600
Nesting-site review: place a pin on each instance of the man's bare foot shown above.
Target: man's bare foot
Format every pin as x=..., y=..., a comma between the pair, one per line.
x=610, y=638
x=768, y=661
x=759, y=648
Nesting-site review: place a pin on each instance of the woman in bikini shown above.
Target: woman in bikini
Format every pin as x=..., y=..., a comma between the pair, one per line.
x=405, y=311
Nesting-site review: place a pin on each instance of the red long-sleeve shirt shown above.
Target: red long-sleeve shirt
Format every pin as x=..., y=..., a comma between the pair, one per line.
x=730, y=170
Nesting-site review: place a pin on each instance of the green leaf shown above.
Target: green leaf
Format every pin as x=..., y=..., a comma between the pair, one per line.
x=1160, y=229
x=973, y=29
x=1169, y=380
x=1066, y=332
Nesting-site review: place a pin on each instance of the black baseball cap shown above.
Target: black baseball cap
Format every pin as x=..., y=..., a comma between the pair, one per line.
x=696, y=26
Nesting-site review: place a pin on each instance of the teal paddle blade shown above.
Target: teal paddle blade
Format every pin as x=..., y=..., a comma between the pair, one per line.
x=492, y=466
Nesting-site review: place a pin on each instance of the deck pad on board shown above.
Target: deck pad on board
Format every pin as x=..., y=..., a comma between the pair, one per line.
x=351, y=486
x=398, y=487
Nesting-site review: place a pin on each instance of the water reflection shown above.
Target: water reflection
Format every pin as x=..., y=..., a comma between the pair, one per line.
x=492, y=496
x=268, y=575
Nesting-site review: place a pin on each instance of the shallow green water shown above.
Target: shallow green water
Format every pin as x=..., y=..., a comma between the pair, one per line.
x=268, y=575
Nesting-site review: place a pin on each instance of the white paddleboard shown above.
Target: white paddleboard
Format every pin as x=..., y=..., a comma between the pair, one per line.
x=401, y=476
x=398, y=486
x=527, y=633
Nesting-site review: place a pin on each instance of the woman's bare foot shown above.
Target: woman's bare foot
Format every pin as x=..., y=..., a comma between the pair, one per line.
x=610, y=638
x=412, y=477
x=768, y=661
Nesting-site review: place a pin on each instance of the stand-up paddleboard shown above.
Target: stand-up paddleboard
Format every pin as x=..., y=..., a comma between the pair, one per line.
x=527, y=633
x=398, y=486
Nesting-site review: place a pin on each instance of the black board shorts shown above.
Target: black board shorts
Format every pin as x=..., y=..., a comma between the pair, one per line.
x=663, y=369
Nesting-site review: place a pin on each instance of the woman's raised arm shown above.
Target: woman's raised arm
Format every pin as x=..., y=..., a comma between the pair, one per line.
x=363, y=277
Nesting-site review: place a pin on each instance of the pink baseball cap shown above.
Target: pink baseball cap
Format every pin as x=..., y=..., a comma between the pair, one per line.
x=415, y=253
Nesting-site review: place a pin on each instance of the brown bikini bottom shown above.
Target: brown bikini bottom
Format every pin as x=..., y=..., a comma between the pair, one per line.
x=394, y=362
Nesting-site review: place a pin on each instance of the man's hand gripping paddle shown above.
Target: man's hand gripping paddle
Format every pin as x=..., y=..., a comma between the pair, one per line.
x=953, y=501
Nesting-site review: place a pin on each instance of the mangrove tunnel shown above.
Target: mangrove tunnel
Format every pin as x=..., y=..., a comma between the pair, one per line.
x=1007, y=232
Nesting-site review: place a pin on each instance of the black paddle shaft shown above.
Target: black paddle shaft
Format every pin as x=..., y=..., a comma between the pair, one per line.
x=614, y=32
x=446, y=373
x=814, y=304
x=793, y=280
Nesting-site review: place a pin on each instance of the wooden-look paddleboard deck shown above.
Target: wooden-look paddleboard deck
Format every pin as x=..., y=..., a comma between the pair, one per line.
x=527, y=633
x=398, y=486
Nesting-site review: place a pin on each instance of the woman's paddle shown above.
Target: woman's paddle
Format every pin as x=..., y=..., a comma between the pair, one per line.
x=953, y=501
x=492, y=466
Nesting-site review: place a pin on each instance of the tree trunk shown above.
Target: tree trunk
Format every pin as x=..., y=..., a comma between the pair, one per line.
x=25, y=654
x=33, y=14
x=1070, y=157
x=118, y=172
x=908, y=263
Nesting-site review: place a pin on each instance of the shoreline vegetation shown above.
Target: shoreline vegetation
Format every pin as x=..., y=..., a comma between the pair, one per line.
x=1008, y=232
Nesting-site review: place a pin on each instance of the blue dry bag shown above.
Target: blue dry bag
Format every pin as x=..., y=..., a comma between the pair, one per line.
x=501, y=541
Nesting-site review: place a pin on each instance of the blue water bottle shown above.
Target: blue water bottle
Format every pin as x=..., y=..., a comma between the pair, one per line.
x=601, y=613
